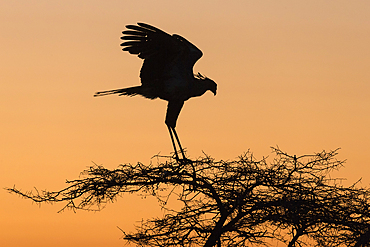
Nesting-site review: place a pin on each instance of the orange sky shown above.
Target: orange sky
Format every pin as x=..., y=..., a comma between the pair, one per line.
x=290, y=73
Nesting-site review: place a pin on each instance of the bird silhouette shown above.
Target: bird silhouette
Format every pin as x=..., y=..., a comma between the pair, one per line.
x=166, y=73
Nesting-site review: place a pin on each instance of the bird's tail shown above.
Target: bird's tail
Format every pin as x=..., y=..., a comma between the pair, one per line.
x=130, y=91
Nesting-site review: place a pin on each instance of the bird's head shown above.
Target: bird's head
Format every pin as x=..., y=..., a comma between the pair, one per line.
x=210, y=84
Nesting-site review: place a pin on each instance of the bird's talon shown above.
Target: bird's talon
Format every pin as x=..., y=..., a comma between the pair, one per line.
x=185, y=161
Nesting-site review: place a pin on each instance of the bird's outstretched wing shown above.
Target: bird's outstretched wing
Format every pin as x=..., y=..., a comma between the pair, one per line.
x=161, y=51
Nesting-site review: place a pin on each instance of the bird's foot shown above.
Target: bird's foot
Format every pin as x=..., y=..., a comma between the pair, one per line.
x=184, y=161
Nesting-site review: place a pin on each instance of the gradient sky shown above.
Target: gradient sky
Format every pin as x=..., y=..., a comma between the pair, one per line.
x=290, y=73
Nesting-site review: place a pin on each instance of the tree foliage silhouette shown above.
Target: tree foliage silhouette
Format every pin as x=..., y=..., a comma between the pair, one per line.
x=231, y=203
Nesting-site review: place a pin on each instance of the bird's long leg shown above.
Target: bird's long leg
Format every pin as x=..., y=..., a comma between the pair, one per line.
x=178, y=142
x=173, y=142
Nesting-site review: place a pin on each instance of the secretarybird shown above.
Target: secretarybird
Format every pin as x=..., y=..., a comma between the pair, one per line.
x=167, y=71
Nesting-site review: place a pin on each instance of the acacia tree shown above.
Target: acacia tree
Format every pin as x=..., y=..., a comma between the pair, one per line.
x=231, y=203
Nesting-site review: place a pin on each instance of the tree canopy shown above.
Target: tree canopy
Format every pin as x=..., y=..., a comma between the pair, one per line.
x=242, y=202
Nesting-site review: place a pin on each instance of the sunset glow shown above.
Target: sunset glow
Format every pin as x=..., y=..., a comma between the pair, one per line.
x=293, y=74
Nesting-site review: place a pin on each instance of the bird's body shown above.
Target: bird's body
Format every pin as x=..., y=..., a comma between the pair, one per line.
x=167, y=71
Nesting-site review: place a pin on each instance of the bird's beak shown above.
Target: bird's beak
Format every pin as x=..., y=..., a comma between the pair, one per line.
x=214, y=92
